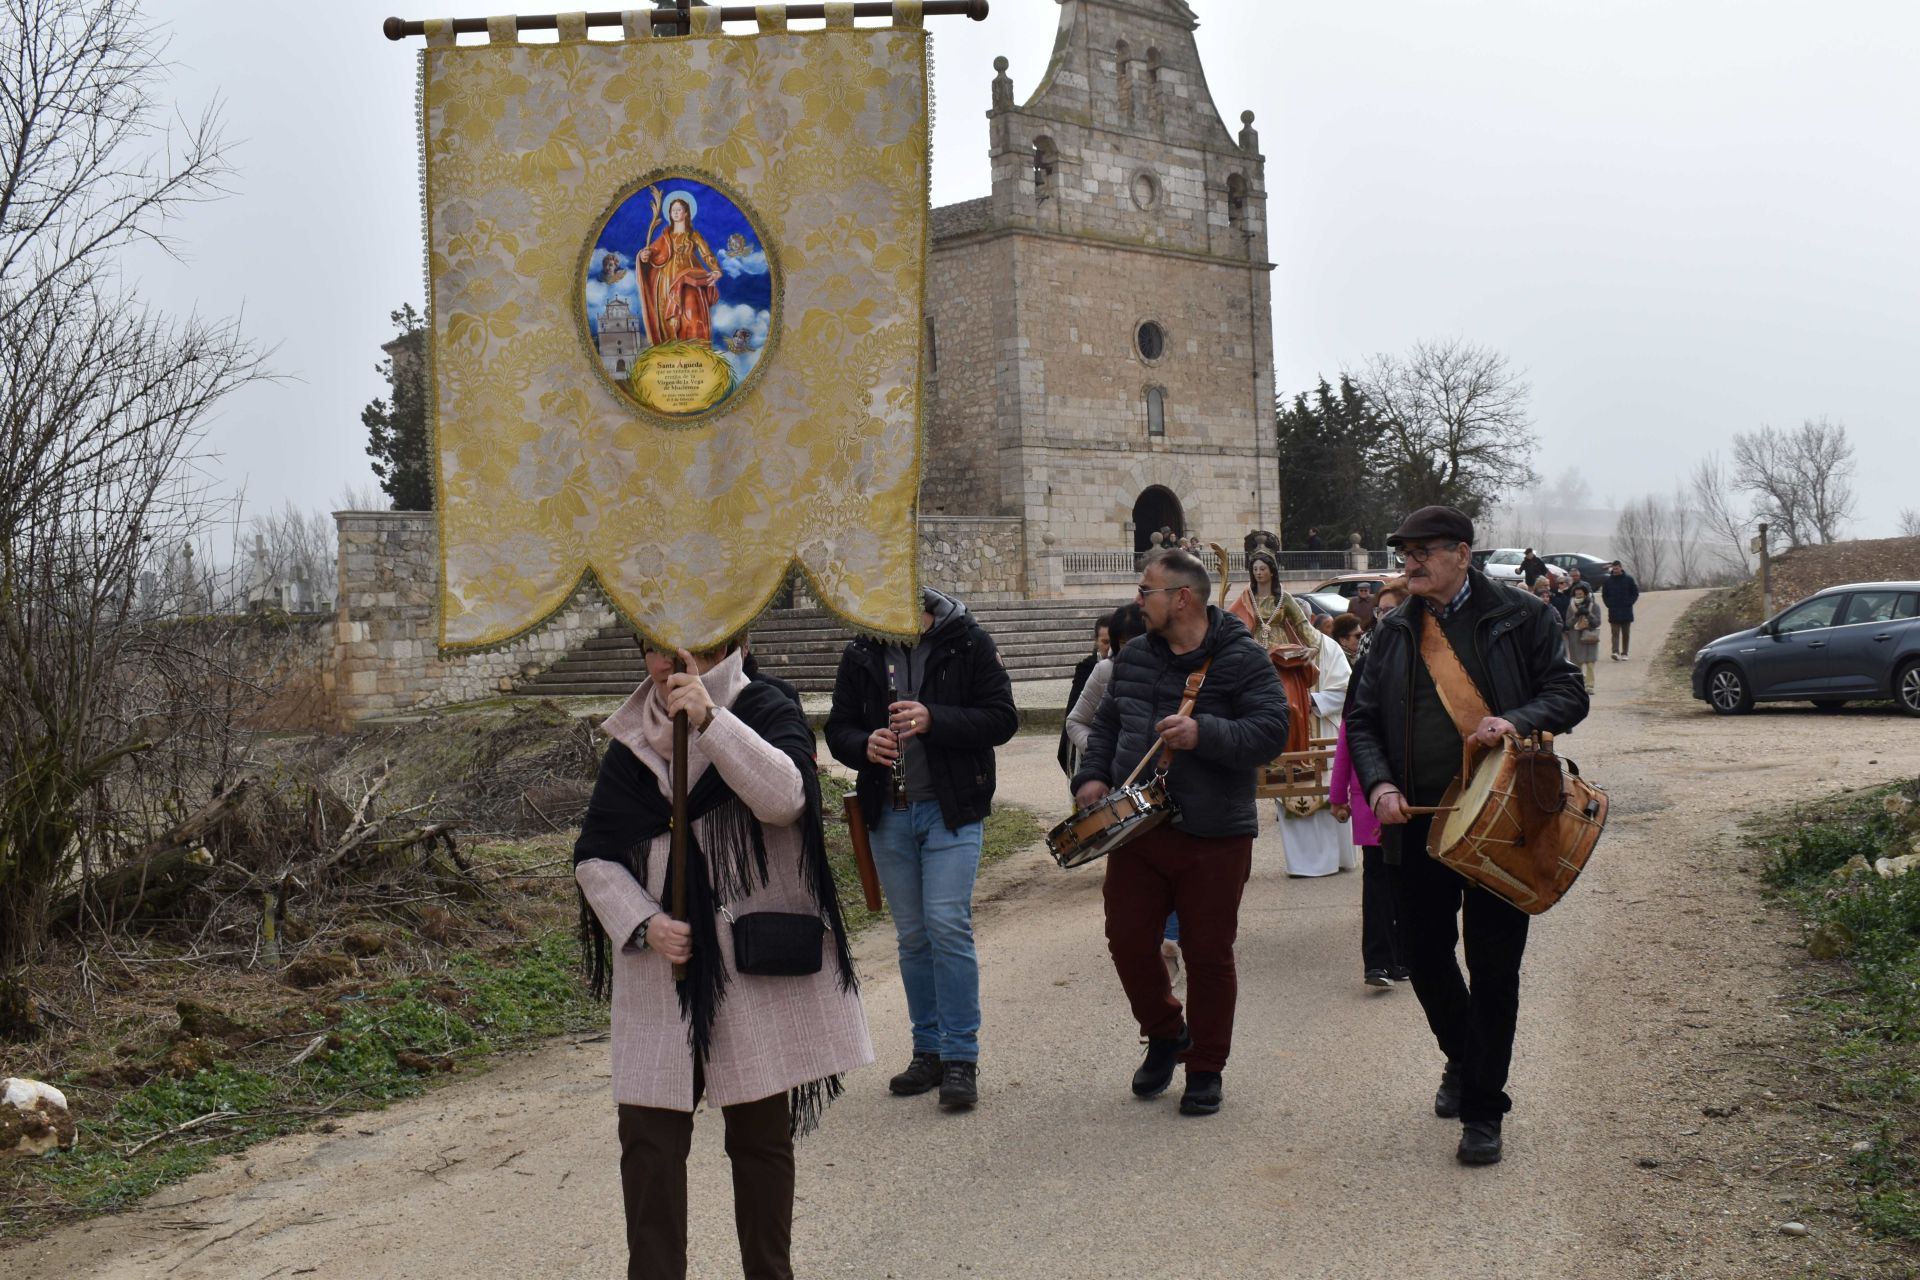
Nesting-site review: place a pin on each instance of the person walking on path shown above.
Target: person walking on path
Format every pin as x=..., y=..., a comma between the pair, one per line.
x=769, y=1051
x=1362, y=605
x=1199, y=863
x=1462, y=646
x=1379, y=938
x=1533, y=568
x=954, y=706
x=1583, y=632
x=1618, y=592
x=1069, y=753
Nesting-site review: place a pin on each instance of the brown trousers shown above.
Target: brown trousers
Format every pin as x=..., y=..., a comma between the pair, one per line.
x=1168, y=870
x=653, y=1181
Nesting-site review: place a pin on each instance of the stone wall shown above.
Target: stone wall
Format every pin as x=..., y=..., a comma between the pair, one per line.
x=386, y=629
x=978, y=560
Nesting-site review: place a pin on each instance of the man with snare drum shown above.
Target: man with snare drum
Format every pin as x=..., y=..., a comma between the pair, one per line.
x=1406, y=749
x=1198, y=864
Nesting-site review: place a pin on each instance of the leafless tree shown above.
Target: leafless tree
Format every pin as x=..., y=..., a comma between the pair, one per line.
x=1909, y=523
x=102, y=403
x=1725, y=524
x=1456, y=425
x=1801, y=480
x=1685, y=526
x=1640, y=537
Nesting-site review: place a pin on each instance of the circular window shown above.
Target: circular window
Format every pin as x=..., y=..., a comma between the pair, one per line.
x=1146, y=192
x=1151, y=339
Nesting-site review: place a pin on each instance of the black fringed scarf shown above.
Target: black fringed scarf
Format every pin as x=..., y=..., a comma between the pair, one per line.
x=628, y=810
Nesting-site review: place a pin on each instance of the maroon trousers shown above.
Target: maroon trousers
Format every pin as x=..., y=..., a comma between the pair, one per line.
x=1201, y=878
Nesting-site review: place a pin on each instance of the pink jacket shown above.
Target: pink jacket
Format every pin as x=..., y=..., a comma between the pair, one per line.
x=770, y=1034
x=1345, y=789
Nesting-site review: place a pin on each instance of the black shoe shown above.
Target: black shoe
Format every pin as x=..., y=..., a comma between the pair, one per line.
x=1446, y=1099
x=1202, y=1097
x=1379, y=978
x=921, y=1075
x=959, y=1085
x=1401, y=973
x=1479, y=1142
x=1156, y=1069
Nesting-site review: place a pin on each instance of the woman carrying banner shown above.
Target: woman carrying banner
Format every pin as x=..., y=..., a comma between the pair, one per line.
x=767, y=1050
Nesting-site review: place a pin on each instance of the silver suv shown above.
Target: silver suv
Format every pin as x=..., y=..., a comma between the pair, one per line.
x=1854, y=642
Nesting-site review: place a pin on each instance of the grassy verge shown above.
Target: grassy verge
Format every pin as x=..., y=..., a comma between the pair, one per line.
x=1865, y=927
x=162, y=1086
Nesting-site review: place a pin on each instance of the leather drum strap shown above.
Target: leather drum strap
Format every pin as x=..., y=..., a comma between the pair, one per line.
x=1458, y=693
x=1188, y=697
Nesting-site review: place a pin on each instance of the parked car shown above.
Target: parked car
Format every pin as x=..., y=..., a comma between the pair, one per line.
x=1503, y=565
x=1856, y=641
x=1347, y=585
x=1329, y=603
x=1592, y=568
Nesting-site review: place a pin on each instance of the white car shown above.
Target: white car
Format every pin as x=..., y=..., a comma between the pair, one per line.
x=1503, y=565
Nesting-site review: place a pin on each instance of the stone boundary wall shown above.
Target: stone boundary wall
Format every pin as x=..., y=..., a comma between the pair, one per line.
x=978, y=559
x=386, y=632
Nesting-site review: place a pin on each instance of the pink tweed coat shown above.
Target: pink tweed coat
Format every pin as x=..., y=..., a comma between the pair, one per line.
x=770, y=1034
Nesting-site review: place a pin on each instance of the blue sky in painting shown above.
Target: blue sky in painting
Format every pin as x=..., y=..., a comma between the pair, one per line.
x=746, y=288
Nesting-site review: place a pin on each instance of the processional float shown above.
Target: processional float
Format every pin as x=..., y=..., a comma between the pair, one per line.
x=675, y=295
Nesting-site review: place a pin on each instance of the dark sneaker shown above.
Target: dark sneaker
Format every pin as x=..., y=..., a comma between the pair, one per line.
x=1479, y=1142
x=1156, y=1069
x=1203, y=1094
x=921, y=1075
x=1446, y=1099
x=959, y=1085
x=1379, y=978
x=1402, y=974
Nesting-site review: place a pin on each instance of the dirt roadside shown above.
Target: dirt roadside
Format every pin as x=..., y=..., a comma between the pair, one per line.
x=1652, y=992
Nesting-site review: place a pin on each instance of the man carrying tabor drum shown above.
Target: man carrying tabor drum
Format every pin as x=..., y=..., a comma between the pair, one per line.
x=1198, y=864
x=1406, y=749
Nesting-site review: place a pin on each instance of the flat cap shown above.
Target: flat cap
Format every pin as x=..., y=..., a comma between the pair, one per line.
x=1433, y=522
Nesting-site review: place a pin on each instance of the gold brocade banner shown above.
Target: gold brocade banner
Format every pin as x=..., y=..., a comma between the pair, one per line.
x=676, y=297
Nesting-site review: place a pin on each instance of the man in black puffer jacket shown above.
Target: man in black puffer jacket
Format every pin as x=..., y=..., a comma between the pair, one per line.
x=1406, y=751
x=954, y=706
x=1198, y=864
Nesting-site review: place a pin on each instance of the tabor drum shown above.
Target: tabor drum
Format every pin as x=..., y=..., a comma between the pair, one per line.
x=1109, y=822
x=1521, y=824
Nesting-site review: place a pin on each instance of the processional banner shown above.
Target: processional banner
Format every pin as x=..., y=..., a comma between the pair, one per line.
x=676, y=294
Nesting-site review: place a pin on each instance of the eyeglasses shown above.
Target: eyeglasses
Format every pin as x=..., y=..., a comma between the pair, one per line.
x=1420, y=554
x=1143, y=592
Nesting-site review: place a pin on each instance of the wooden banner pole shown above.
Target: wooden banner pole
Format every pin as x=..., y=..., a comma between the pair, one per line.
x=401, y=28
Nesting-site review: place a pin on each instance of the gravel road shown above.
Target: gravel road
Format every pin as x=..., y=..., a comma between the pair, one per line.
x=1643, y=991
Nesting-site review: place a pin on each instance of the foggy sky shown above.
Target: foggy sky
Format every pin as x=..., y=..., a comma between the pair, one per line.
x=1680, y=219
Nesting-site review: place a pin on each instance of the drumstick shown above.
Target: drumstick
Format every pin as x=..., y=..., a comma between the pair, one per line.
x=1428, y=808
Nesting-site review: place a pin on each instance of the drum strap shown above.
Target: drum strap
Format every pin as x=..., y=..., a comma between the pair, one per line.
x=1458, y=693
x=1188, y=697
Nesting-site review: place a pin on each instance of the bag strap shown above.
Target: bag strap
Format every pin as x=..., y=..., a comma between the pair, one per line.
x=1461, y=697
x=1188, y=697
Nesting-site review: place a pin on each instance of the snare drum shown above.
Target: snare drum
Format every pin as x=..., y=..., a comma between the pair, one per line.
x=1107, y=823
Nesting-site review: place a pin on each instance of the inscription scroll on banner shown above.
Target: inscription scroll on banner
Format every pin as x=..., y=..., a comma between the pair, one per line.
x=676, y=294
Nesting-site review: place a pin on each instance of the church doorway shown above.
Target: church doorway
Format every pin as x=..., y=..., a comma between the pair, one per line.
x=1155, y=508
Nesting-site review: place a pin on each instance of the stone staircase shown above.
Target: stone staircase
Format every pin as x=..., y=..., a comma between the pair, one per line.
x=1038, y=640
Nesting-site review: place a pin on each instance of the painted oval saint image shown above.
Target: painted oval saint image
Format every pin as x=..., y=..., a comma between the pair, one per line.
x=680, y=297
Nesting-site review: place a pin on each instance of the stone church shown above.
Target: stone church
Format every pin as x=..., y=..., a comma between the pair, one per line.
x=1099, y=342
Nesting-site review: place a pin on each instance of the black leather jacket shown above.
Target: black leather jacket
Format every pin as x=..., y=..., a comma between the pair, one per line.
x=970, y=696
x=1242, y=713
x=1520, y=639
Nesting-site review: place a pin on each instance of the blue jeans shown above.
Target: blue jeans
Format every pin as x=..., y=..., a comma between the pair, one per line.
x=927, y=872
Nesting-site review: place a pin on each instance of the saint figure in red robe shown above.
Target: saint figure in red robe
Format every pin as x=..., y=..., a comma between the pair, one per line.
x=679, y=278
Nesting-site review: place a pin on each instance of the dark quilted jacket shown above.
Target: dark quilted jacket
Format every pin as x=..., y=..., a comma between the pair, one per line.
x=1243, y=724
